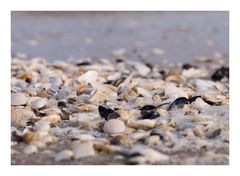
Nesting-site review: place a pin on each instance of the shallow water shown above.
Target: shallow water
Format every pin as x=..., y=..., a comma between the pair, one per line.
x=60, y=35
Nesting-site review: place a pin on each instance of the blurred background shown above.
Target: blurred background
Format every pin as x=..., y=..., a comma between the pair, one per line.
x=152, y=36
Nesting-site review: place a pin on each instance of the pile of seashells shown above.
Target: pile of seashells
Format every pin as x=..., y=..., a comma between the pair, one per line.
x=138, y=112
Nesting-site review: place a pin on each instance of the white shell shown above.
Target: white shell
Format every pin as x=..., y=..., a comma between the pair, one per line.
x=18, y=99
x=89, y=77
x=174, y=92
x=19, y=117
x=114, y=126
x=38, y=103
x=81, y=150
x=143, y=92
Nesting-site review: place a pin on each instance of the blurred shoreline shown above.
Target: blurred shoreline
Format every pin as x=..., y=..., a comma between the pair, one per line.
x=153, y=36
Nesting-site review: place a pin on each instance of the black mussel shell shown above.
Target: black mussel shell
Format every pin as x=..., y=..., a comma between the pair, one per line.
x=192, y=99
x=117, y=82
x=187, y=66
x=158, y=132
x=148, y=107
x=179, y=103
x=220, y=73
x=107, y=113
x=149, y=114
x=214, y=134
x=62, y=104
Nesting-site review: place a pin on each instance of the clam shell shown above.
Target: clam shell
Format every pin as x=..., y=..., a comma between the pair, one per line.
x=18, y=99
x=174, y=92
x=114, y=126
x=54, y=118
x=38, y=103
x=19, y=117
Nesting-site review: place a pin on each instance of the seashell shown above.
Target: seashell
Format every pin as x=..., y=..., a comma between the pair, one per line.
x=38, y=103
x=179, y=103
x=83, y=137
x=148, y=107
x=80, y=88
x=24, y=76
x=107, y=113
x=220, y=74
x=152, y=140
x=51, y=103
x=114, y=126
x=114, y=76
x=138, y=135
x=54, y=118
x=103, y=148
x=146, y=155
x=204, y=86
x=124, y=115
x=158, y=132
x=42, y=126
x=149, y=112
x=142, y=124
x=85, y=107
x=162, y=112
x=192, y=99
x=174, y=76
x=18, y=99
x=143, y=92
x=199, y=103
x=16, y=135
x=63, y=155
x=195, y=73
x=119, y=139
x=198, y=132
x=20, y=117
x=61, y=104
x=30, y=149
x=89, y=77
x=213, y=133
x=118, y=81
x=141, y=68
x=174, y=92
x=31, y=137
x=82, y=150
x=65, y=94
